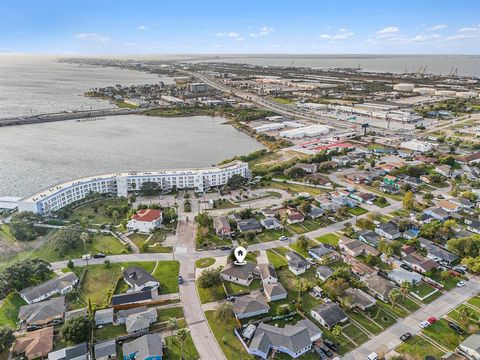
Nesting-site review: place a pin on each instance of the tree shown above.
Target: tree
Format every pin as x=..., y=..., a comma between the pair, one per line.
x=408, y=201
x=172, y=324
x=305, y=207
x=236, y=181
x=431, y=229
x=225, y=311
x=181, y=336
x=464, y=313
x=337, y=331
x=150, y=188
x=394, y=295
x=295, y=172
x=364, y=223
x=76, y=330
x=115, y=216
x=23, y=230
x=6, y=338
x=335, y=288
x=405, y=287
x=67, y=239
x=472, y=264
x=209, y=278
x=302, y=242
x=463, y=247
x=470, y=195
x=70, y=264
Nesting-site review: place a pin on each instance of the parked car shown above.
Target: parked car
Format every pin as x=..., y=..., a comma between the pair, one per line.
x=283, y=238
x=86, y=257
x=330, y=344
x=99, y=256
x=372, y=356
x=33, y=327
x=406, y=336
x=424, y=324
x=57, y=322
x=180, y=280
x=326, y=350
x=432, y=320
x=405, y=267
x=456, y=328
x=231, y=298
x=461, y=284
x=225, y=247
x=321, y=354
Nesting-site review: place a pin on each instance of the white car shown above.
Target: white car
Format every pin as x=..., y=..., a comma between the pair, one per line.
x=86, y=257
x=461, y=284
x=311, y=261
x=424, y=324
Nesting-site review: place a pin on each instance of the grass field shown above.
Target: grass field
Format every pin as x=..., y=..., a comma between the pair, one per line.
x=236, y=289
x=422, y=290
x=154, y=245
x=96, y=217
x=471, y=323
x=296, y=188
x=108, y=332
x=354, y=333
x=302, y=252
x=441, y=333
x=9, y=309
x=167, y=273
x=174, y=348
x=330, y=238
x=357, y=211
x=167, y=313
x=223, y=330
x=204, y=262
x=211, y=294
x=270, y=235
x=417, y=348
x=276, y=260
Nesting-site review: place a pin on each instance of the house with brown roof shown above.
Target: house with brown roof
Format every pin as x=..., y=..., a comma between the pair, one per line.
x=35, y=344
x=379, y=287
x=222, y=226
x=449, y=206
x=355, y=247
x=420, y=263
x=359, y=268
x=250, y=305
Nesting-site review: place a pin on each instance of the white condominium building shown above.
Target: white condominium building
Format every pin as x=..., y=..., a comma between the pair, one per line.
x=59, y=196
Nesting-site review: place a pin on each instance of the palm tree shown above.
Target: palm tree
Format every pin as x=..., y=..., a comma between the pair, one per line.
x=405, y=287
x=464, y=313
x=181, y=336
x=225, y=311
x=115, y=216
x=172, y=324
x=337, y=331
x=85, y=237
x=393, y=296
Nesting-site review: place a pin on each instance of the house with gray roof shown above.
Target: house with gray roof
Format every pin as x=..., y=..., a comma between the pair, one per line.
x=356, y=248
x=75, y=352
x=75, y=313
x=437, y=253
x=369, y=237
x=359, y=299
x=379, y=287
x=315, y=212
x=294, y=340
x=104, y=316
x=105, y=350
x=329, y=314
x=271, y=223
x=323, y=272
x=43, y=312
x=297, y=264
x=400, y=275
x=239, y=274
x=250, y=305
x=133, y=297
x=122, y=315
x=321, y=251
x=141, y=321
x=267, y=274
x=249, y=225
x=470, y=347
x=60, y=285
x=148, y=346
x=274, y=292
x=388, y=231
x=138, y=278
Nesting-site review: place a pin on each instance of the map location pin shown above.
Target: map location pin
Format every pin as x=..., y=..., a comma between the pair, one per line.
x=240, y=253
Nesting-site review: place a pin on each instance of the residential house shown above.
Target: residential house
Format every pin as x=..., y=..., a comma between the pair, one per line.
x=274, y=292
x=294, y=216
x=43, y=312
x=318, y=179
x=445, y=170
x=400, y=275
x=138, y=278
x=271, y=223
x=239, y=274
x=106, y=350
x=72, y=314
x=297, y=264
x=268, y=274
x=464, y=203
x=308, y=168
x=269, y=213
x=133, y=297
x=75, y=352
x=437, y=253
x=419, y=263
x=356, y=248
x=470, y=347
x=363, y=197
x=249, y=225
x=62, y=284
x=388, y=231
x=141, y=321
x=146, y=347
x=359, y=299
x=473, y=158
x=449, y=206
x=145, y=220
x=359, y=268
x=122, y=315
x=294, y=340
x=359, y=177
x=379, y=287
x=390, y=180
x=315, y=212
x=222, y=226
x=323, y=272
x=35, y=344
x=342, y=198
x=474, y=226
x=389, y=189
x=329, y=314
x=103, y=316
x=437, y=213
x=370, y=237
x=250, y=305
x=321, y=252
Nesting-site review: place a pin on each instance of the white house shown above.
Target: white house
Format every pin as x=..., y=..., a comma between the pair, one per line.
x=145, y=220
x=60, y=285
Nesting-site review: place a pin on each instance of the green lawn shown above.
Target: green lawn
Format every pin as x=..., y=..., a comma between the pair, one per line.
x=360, y=317
x=154, y=245
x=167, y=313
x=441, y=333
x=417, y=348
x=283, y=101
x=331, y=239
x=471, y=323
x=223, y=330
x=380, y=204
x=108, y=332
x=475, y=301
x=311, y=224
x=167, y=273
x=98, y=217
x=297, y=228
x=9, y=309
x=302, y=252
x=422, y=290
x=355, y=333
x=296, y=188
x=211, y=294
x=174, y=348
x=236, y=289
x=276, y=260
x=270, y=235
x=357, y=211
x=204, y=262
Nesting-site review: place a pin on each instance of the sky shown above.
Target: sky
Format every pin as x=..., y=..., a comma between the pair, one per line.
x=240, y=27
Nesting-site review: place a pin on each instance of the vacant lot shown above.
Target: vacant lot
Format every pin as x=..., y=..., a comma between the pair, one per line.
x=331, y=239
x=223, y=330
x=418, y=348
x=9, y=309
x=175, y=350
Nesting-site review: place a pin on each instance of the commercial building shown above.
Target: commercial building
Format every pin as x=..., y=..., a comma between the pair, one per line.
x=418, y=146
x=403, y=87
x=61, y=195
x=307, y=131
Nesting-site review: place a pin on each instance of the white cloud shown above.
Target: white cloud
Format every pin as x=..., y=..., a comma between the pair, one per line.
x=231, y=34
x=466, y=33
x=422, y=38
x=390, y=31
x=266, y=30
x=93, y=37
x=141, y=28
x=343, y=34
x=437, y=27
x=325, y=36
